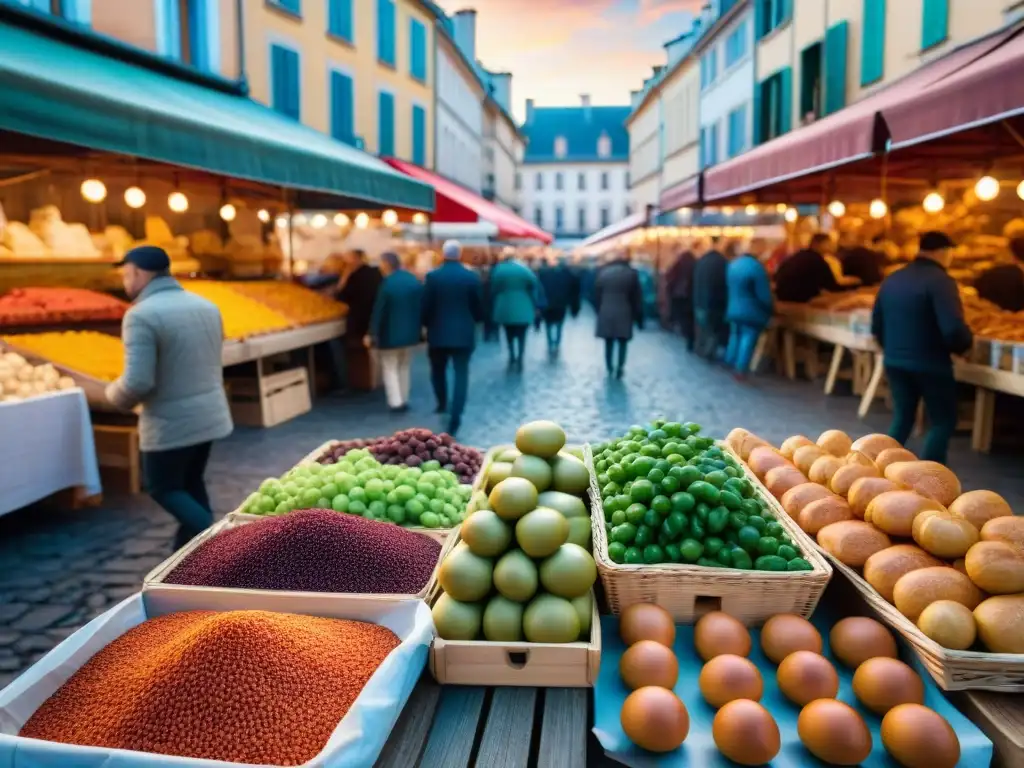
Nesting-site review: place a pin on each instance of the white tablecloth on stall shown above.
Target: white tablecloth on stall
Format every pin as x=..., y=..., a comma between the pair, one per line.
x=46, y=445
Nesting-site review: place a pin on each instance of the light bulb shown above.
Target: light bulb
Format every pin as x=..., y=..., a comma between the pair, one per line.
x=727, y=210
x=319, y=221
x=1020, y=190
x=263, y=215
x=228, y=212
x=685, y=212
x=389, y=218
x=362, y=221
x=987, y=188
x=341, y=220
x=299, y=220
x=792, y=215
x=94, y=190
x=933, y=202
x=419, y=218
x=750, y=210
x=134, y=197
x=878, y=208
x=177, y=202
x=837, y=208
x=781, y=208
x=282, y=222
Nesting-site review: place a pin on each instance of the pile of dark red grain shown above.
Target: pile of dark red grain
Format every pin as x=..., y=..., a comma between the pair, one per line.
x=313, y=550
x=242, y=686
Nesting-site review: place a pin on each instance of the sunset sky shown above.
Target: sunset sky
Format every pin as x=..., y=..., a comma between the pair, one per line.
x=558, y=49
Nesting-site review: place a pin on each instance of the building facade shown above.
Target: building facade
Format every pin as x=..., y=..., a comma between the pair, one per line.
x=726, y=63
x=461, y=93
x=575, y=171
x=504, y=147
x=646, y=126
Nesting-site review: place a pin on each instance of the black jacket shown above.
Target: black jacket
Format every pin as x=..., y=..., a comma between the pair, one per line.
x=710, y=293
x=679, y=277
x=918, y=319
x=1003, y=286
x=360, y=293
x=863, y=263
x=803, y=276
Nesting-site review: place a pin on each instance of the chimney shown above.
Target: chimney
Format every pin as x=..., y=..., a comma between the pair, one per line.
x=585, y=103
x=501, y=89
x=464, y=23
x=529, y=111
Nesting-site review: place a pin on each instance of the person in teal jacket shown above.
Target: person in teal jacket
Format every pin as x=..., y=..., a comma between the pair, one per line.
x=749, y=308
x=396, y=327
x=516, y=298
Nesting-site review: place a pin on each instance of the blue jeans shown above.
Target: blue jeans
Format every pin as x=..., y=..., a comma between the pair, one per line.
x=174, y=479
x=938, y=390
x=554, y=329
x=439, y=358
x=742, y=343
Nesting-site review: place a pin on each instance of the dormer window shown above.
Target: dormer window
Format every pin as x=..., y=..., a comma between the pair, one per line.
x=604, y=146
x=561, y=146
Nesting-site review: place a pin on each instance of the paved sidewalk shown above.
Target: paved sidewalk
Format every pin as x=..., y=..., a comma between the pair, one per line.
x=58, y=569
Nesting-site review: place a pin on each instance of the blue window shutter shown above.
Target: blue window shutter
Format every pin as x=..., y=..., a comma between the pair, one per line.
x=417, y=50
x=386, y=31
x=836, y=45
x=197, y=32
x=285, y=95
x=339, y=19
x=342, y=105
x=786, y=100
x=419, y=135
x=386, y=125
x=872, y=57
x=292, y=6
x=935, y=23
x=757, y=137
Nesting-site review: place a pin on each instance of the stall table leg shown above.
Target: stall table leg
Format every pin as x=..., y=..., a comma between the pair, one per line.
x=872, y=389
x=833, y=369
x=789, y=353
x=984, y=418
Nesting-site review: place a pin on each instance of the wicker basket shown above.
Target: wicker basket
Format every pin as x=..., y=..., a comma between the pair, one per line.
x=688, y=591
x=156, y=577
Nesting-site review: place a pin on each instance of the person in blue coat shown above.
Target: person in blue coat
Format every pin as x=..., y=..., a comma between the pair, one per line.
x=562, y=294
x=517, y=297
x=748, y=310
x=396, y=328
x=452, y=307
x=918, y=321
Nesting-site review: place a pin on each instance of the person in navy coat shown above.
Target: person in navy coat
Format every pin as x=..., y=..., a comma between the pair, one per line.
x=562, y=295
x=452, y=307
x=396, y=328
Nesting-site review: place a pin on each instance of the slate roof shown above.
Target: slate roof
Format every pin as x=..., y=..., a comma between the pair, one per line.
x=581, y=131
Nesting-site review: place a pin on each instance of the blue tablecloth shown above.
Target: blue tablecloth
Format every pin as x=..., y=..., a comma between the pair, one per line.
x=699, y=748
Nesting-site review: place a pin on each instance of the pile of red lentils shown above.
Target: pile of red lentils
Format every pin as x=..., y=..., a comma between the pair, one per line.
x=314, y=550
x=242, y=686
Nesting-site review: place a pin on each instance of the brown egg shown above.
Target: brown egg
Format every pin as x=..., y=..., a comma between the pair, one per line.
x=655, y=719
x=716, y=633
x=729, y=677
x=804, y=676
x=646, y=621
x=746, y=733
x=918, y=737
x=882, y=683
x=783, y=634
x=649, y=663
x=856, y=639
x=834, y=733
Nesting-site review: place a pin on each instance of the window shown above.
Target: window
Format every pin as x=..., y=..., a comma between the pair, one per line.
x=736, y=44
x=386, y=32
x=538, y=216
x=836, y=45
x=559, y=181
x=187, y=30
x=538, y=182
x=628, y=210
x=872, y=56
x=560, y=146
x=419, y=135
x=771, y=14
x=285, y=95
x=708, y=68
x=604, y=146
x=775, y=112
x=811, y=87
x=385, y=124
x=581, y=182
x=519, y=181
x=605, y=216
x=340, y=23
x=604, y=181
x=293, y=7
x=418, y=50
x=581, y=219
x=342, y=106
x=709, y=145
x=934, y=23
x=737, y=131
x=559, y=218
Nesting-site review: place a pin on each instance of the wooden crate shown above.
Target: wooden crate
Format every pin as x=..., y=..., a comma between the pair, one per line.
x=687, y=591
x=117, y=453
x=271, y=399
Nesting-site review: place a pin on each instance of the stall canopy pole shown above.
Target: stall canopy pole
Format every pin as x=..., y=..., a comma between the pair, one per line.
x=291, y=242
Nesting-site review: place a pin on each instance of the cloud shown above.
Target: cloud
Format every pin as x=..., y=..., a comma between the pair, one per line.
x=654, y=10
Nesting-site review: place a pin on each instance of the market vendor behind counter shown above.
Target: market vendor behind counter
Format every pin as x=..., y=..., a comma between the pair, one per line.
x=807, y=273
x=1003, y=285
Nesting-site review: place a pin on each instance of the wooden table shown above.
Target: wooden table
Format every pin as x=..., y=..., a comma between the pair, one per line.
x=987, y=381
x=457, y=726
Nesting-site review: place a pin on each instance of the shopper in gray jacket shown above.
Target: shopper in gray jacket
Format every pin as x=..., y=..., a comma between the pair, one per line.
x=173, y=376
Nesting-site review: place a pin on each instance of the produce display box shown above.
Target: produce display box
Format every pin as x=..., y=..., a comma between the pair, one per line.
x=154, y=580
x=534, y=665
x=688, y=591
x=356, y=741
x=271, y=399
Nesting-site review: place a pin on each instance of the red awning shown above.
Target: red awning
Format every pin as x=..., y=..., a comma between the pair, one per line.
x=681, y=195
x=989, y=89
x=621, y=227
x=847, y=136
x=457, y=205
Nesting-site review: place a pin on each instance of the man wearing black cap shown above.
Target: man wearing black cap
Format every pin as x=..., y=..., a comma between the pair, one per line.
x=918, y=321
x=173, y=342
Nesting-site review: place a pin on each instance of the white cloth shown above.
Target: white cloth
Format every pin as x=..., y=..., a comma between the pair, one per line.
x=46, y=445
x=395, y=367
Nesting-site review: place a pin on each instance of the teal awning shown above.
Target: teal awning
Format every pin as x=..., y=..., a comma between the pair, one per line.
x=58, y=91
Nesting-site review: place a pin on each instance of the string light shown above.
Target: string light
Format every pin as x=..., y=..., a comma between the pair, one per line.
x=933, y=202
x=781, y=208
x=419, y=218
x=177, y=202
x=727, y=210
x=837, y=208
x=362, y=221
x=228, y=212
x=94, y=190
x=134, y=197
x=878, y=208
x=987, y=189
x=282, y=222
x=750, y=210
x=299, y=220
x=319, y=221
x=263, y=215
x=341, y=220
x=389, y=218
x=792, y=215
x=1020, y=190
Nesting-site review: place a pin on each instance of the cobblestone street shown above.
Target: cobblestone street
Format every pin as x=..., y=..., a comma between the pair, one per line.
x=60, y=568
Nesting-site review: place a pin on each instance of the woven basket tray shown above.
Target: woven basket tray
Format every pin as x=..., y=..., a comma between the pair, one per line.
x=156, y=577
x=688, y=591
